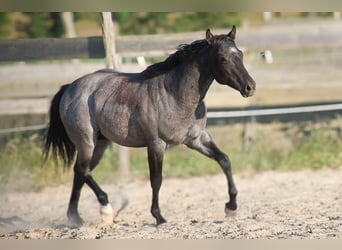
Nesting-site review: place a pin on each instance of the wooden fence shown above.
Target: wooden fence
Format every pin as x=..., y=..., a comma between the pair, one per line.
x=309, y=35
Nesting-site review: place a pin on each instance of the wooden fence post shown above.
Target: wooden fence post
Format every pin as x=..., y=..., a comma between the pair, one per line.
x=337, y=15
x=70, y=30
x=68, y=21
x=112, y=62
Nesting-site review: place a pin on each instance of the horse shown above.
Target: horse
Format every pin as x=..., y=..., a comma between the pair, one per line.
x=159, y=107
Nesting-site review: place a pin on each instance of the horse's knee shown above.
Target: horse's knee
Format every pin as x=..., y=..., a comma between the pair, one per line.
x=224, y=161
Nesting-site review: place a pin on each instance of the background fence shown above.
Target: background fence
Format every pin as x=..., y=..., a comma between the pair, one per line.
x=301, y=36
x=298, y=36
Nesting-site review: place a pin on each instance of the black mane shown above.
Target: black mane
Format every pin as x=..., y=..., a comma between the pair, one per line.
x=185, y=52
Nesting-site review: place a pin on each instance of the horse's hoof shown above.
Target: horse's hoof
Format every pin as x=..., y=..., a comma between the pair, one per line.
x=230, y=208
x=75, y=220
x=107, y=214
x=160, y=221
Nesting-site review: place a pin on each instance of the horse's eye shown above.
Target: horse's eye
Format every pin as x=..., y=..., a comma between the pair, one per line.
x=223, y=60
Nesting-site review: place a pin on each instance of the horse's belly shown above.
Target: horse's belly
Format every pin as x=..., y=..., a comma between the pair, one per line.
x=121, y=127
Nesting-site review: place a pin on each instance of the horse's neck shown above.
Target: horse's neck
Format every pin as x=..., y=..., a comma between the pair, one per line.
x=190, y=82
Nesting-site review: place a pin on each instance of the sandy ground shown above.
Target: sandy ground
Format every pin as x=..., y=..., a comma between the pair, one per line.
x=272, y=205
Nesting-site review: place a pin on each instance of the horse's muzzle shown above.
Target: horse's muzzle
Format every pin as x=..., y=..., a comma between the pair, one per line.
x=248, y=90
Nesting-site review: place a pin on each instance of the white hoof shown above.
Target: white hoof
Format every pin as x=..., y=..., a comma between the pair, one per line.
x=107, y=214
x=230, y=213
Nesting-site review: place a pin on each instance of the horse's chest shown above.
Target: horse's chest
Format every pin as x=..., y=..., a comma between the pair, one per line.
x=182, y=123
x=177, y=131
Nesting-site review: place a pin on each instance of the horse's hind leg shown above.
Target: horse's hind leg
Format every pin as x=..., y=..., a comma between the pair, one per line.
x=205, y=145
x=78, y=183
x=87, y=159
x=106, y=209
x=155, y=160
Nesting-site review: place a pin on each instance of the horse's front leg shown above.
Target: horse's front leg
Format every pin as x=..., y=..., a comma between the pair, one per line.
x=155, y=152
x=205, y=145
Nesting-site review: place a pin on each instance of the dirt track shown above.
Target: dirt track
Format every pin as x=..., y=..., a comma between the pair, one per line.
x=272, y=205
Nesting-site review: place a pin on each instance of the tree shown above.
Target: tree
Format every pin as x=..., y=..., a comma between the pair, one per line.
x=44, y=24
x=166, y=22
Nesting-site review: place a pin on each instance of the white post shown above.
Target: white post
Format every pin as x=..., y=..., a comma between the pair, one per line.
x=337, y=15
x=70, y=30
x=112, y=62
x=267, y=16
x=68, y=21
x=109, y=40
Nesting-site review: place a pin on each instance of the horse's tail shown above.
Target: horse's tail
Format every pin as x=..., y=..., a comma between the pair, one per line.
x=57, y=137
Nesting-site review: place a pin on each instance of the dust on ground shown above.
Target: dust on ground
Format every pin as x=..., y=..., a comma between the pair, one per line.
x=304, y=204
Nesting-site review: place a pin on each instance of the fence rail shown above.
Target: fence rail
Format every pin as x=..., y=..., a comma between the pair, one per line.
x=274, y=111
x=51, y=48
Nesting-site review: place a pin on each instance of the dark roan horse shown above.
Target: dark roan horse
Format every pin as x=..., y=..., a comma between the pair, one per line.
x=157, y=108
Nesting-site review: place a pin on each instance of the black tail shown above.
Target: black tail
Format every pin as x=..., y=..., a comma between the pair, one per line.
x=57, y=137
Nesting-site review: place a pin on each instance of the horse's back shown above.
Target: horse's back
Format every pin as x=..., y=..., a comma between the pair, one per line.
x=101, y=101
x=104, y=81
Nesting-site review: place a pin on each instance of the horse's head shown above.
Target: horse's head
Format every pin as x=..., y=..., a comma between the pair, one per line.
x=227, y=65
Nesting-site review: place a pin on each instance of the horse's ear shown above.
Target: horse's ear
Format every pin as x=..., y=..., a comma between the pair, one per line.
x=232, y=33
x=209, y=36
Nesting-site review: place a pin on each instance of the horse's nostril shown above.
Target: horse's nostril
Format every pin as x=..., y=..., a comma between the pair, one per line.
x=248, y=88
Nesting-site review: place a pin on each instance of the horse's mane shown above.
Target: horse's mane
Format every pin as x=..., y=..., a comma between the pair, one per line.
x=185, y=52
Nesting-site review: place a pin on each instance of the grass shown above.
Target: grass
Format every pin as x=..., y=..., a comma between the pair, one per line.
x=251, y=147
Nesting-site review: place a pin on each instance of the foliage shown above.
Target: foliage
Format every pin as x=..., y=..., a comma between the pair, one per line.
x=49, y=24
x=293, y=146
x=4, y=21
x=22, y=165
x=166, y=22
x=44, y=25
x=319, y=14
